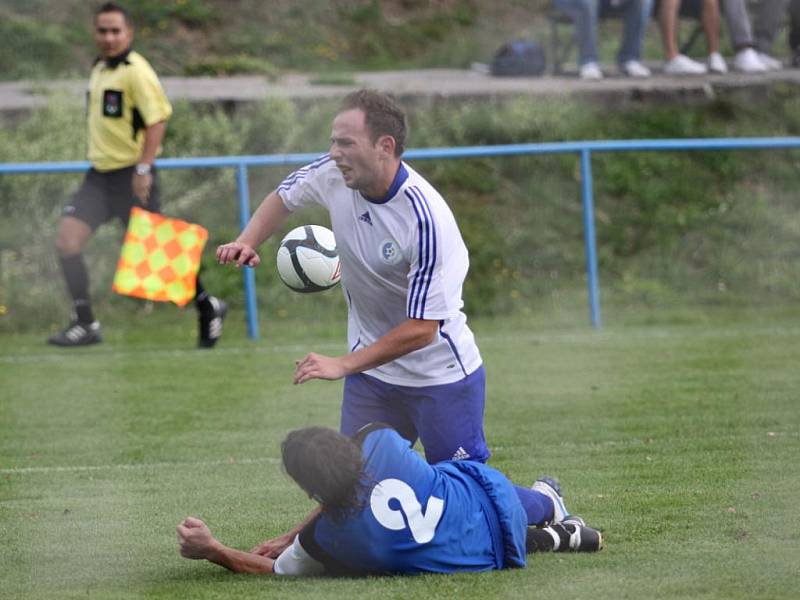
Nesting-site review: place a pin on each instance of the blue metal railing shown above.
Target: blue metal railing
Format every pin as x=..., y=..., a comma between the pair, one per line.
x=583, y=149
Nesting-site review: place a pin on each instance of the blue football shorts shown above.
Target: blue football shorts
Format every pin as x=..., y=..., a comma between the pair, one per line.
x=447, y=419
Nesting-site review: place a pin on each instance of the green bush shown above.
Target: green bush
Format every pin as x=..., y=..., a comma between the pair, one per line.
x=45, y=39
x=32, y=48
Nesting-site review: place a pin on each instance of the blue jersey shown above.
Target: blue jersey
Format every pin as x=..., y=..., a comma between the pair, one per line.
x=416, y=517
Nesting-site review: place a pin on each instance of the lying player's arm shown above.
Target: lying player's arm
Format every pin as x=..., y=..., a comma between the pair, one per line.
x=273, y=547
x=268, y=218
x=196, y=542
x=410, y=335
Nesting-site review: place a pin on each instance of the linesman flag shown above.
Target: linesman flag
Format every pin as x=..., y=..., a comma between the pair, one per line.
x=160, y=258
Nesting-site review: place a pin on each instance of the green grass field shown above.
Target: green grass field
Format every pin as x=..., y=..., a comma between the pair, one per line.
x=680, y=441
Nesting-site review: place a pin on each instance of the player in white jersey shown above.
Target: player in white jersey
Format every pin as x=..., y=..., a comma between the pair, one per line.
x=413, y=363
x=402, y=258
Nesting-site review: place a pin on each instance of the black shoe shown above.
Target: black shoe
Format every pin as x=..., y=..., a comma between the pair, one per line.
x=210, y=323
x=77, y=334
x=570, y=535
x=581, y=537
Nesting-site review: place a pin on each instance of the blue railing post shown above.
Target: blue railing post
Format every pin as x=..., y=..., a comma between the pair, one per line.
x=584, y=148
x=248, y=273
x=589, y=237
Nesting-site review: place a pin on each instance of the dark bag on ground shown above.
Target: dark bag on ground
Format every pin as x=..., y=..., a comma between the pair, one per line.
x=519, y=59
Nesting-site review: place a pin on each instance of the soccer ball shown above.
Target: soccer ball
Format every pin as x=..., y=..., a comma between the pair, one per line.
x=307, y=259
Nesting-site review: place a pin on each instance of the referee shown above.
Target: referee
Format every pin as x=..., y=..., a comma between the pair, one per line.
x=127, y=118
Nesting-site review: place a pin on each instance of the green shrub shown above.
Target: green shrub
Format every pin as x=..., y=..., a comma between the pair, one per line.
x=32, y=48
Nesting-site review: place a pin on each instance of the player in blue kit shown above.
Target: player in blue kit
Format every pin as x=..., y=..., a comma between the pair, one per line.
x=383, y=509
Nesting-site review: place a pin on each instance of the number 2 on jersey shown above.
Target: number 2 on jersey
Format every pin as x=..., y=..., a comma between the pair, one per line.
x=422, y=525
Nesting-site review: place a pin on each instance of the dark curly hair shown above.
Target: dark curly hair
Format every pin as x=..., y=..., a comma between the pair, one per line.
x=381, y=114
x=329, y=467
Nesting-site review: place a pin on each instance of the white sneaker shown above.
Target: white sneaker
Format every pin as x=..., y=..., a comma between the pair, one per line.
x=772, y=64
x=590, y=71
x=748, y=61
x=683, y=65
x=551, y=488
x=717, y=64
x=633, y=68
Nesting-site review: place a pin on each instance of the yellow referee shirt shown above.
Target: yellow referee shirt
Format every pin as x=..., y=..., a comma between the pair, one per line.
x=125, y=96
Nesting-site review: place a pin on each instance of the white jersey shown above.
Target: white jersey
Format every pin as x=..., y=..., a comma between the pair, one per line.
x=402, y=257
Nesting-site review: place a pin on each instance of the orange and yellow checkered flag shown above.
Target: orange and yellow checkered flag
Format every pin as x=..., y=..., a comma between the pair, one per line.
x=160, y=258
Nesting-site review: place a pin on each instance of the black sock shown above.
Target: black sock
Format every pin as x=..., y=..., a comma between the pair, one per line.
x=201, y=299
x=77, y=279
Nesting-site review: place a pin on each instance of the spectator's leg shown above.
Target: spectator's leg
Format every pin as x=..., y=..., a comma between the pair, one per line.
x=584, y=14
x=637, y=16
x=738, y=21
x=794, y=31
x=768, y=21
x=668, y=22
x=711, y=24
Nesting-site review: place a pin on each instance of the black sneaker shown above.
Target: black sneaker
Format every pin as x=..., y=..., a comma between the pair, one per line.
x=570, y=535
x=581, y=537
x=77, y=334
x=210, y=323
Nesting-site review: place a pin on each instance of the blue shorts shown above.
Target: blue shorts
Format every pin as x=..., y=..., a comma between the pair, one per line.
x=447, y=419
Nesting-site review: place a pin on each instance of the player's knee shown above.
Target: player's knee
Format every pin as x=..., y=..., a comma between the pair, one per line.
x=72, y=236
x=68, y=242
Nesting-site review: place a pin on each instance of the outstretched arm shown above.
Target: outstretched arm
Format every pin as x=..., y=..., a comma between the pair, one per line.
x=196, y=542
x=410, y=335
x=268, y=218
x=272, y=548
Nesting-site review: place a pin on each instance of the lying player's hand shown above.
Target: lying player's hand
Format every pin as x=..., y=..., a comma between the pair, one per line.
x=273, y=548
x=238, y=252
x=195, y=539
x=318, y=366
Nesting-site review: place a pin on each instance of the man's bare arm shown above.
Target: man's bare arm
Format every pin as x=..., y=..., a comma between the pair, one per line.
x=153, y=135
x=268, y=218
x=241, y=562
x=410, y=335
x=142, y=184
x=272, y=548
x=196, y=542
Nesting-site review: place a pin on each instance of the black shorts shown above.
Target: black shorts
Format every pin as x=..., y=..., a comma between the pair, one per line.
x=108, y=194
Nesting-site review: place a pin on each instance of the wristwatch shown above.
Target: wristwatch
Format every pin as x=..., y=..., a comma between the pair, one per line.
x=143, y=169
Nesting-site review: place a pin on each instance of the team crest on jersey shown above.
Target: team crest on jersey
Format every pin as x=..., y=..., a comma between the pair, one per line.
x=112, y=103
x=389, y=252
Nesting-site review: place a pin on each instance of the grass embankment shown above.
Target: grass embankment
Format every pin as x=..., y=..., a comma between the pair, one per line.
x=44, y=39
